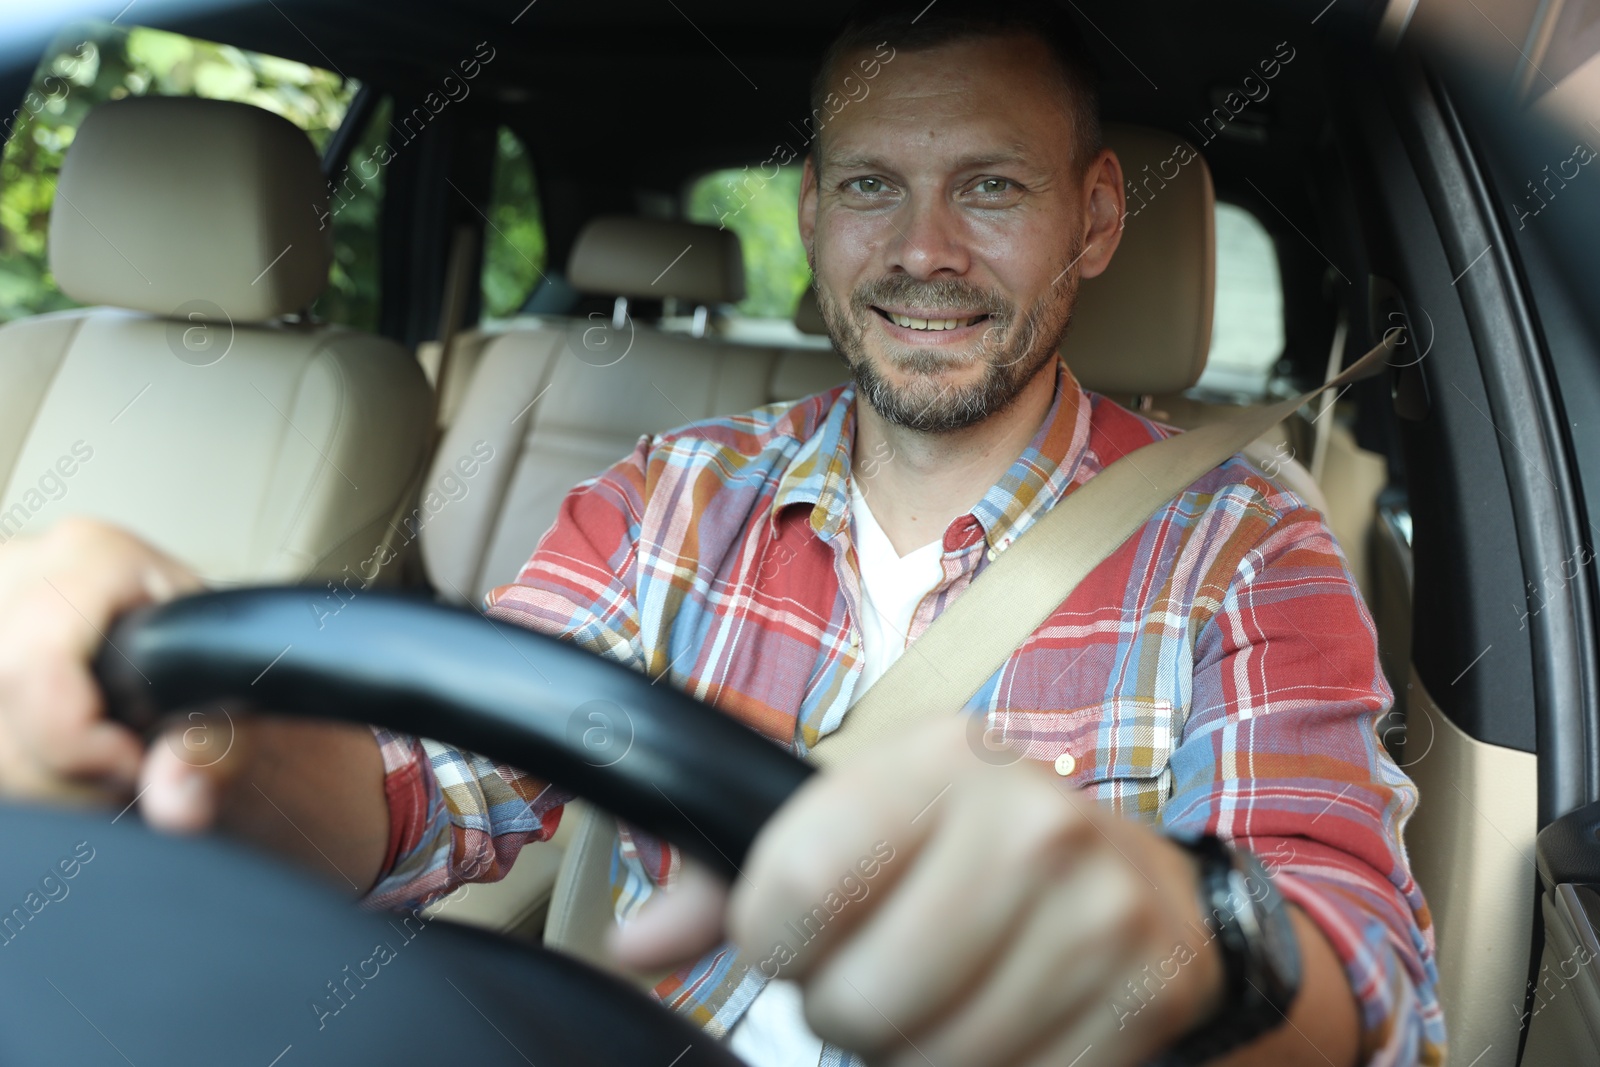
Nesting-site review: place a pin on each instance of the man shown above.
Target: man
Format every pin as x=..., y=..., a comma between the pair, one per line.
x=1217, y=675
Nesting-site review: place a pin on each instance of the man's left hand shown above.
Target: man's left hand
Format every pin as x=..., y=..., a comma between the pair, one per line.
x=938, y=908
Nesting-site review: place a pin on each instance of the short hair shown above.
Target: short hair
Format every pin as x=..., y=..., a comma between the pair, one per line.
x=913, y=25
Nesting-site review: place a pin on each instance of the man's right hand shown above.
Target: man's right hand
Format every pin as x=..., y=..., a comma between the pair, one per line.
x=59, y=592
x=310, y=791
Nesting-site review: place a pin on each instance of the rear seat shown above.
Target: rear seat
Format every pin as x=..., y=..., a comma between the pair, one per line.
x=536, y=405
x=550, y=401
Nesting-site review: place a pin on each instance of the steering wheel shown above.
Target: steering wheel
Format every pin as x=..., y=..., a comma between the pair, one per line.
x=197, y=951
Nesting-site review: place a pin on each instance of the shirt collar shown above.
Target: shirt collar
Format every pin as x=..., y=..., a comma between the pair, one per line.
x=819, y=473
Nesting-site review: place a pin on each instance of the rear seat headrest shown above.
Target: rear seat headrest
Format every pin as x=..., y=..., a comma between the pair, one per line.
x=1144, y=326
x=164, y=203
x=808, y=316
x=653, y=258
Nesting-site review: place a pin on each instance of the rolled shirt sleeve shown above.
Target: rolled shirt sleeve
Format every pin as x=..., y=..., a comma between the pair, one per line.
x=1280, y=754
x=457, y=817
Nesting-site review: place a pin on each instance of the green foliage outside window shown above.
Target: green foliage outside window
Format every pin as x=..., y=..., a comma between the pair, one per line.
x=761, y=210
x=354, y=205
x=514, y=251
x=98, y=63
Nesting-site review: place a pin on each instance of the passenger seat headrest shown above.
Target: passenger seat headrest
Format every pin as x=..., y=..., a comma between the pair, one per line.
x=808, y=316
x=178, y=205
x=1144, y=326
x=652, y=259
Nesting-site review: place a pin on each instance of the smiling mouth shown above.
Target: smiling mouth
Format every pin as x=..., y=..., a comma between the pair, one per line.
x=912, y=322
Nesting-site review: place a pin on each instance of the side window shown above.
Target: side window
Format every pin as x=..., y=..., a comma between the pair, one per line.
x=514, y=250
x=355, y=202
x=100, y=62
x=761, y=210
x=1247, y=327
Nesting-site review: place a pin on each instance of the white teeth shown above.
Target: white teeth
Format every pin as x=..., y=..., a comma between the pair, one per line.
x=931, y=324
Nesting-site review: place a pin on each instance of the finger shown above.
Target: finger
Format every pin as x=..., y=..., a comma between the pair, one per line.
x=1062, y=962
x=847, y=836
x=61, y=731
x=996, y=821
x=1092, y=1039
x=98, y=572
x=188, y=769
x=64, y=588
x=676, y=925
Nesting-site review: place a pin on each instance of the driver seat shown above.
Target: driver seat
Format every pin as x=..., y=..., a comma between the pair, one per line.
x=196, y=404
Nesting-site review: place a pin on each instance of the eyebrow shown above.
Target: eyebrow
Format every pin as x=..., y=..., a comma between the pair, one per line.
x=978, y=161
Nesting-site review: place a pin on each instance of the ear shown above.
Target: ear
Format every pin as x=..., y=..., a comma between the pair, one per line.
x=808, y=205
x=1104, y=208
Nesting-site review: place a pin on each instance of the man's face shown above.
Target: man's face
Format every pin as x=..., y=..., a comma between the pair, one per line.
x=947, y=225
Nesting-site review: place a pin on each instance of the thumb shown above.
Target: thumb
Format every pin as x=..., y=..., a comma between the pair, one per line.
x=188, y=767
x=676, y=925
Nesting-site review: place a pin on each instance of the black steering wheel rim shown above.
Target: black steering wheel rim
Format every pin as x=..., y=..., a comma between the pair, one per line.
x=201, y=951
x=647, y=752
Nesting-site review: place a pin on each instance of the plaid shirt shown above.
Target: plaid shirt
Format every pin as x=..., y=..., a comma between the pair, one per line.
x=1218, y=673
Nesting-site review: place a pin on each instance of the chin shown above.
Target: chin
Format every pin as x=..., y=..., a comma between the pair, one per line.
x=923, y=371
x=915, y=363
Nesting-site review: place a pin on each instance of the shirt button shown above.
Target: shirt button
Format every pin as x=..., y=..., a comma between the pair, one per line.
x=1065, y=764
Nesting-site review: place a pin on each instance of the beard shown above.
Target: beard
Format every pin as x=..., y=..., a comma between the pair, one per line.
x=1013, y=348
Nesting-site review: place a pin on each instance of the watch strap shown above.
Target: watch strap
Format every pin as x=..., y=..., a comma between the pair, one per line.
x=1258, y=990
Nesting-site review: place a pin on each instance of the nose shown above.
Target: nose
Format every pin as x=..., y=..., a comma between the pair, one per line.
x=929, y=239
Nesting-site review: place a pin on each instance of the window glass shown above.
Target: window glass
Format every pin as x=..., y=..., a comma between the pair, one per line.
x=1247, y=325
x=514, y=250
x=355, y=202
x=761, y=209
x=101, y=62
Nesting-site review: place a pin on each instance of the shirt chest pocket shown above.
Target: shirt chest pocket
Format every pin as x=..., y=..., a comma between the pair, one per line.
x=1117, y=751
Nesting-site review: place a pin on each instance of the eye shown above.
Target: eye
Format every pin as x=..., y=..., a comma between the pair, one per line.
x=994, y=186
x=865, y=186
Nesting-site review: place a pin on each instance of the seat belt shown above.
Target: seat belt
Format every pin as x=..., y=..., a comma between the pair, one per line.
x=976, y=634
x=458, y=280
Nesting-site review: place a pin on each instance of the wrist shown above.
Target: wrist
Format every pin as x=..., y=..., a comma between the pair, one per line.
x=1210, y=994
x=1249, y=931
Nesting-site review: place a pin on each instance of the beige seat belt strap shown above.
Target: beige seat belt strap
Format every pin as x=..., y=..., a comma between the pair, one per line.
x=458, y=282
x=974, y=637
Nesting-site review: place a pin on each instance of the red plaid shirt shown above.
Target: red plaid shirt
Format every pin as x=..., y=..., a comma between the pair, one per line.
x=1218, y=673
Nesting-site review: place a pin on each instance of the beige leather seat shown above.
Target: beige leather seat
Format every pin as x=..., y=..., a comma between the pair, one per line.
x=1142, y=329
x=555, y=401
x=185, y=406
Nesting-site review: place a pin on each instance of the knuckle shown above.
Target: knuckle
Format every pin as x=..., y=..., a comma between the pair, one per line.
x=837, y=1012
x=77, y=533
x=1051, y=839
x=785, y=885
x=1136, y=919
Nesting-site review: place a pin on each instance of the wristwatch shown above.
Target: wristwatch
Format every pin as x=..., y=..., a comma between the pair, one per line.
x=1249, y=919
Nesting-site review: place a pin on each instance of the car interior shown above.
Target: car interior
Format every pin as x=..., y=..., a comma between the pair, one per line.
x=362, y=399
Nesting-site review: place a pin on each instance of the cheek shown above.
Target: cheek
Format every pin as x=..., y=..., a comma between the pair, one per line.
x=1026, y=266
x=849, y=248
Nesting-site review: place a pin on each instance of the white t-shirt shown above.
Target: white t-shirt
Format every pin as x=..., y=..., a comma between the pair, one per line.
x=772, y=1032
